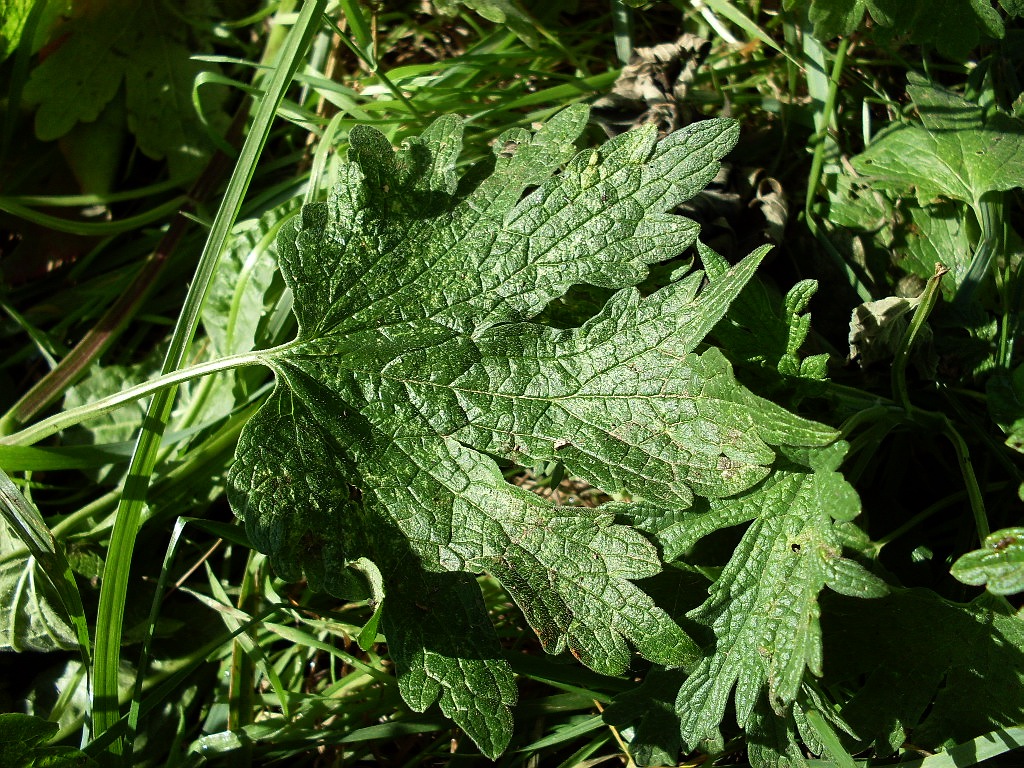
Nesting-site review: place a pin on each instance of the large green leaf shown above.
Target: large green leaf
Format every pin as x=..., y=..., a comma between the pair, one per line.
x=952, y=153
x=938, y=673
x=416, y=367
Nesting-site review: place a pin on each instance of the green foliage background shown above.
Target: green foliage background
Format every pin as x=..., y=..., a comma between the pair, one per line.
x=514, y=423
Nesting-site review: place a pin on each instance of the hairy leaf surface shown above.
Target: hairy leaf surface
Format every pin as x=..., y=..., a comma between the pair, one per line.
x=416, y=369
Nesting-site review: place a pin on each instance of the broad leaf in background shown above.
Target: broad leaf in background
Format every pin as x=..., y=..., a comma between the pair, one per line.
x=33, y=618
x=143, y=46
x=416, y=366
x=939, y=674
x=931, y=234
x=998, y=565
x=953, y=153
x=110, y=429
x=953, y=161
x=952, y=26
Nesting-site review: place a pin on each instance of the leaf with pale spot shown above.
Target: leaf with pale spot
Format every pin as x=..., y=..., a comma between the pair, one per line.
x=416, y=368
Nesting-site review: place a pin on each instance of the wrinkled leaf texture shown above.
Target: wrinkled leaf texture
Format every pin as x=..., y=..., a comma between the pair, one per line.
x=416, y=369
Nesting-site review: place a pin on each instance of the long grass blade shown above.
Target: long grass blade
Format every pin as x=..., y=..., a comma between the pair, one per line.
x=110, y=615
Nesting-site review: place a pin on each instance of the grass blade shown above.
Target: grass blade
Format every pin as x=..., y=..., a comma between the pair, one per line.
x=105, y=710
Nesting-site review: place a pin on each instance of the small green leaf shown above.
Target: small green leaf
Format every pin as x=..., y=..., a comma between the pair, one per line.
x=832, y=18
x=368, y=634
x=77, y=80
x=998, y=565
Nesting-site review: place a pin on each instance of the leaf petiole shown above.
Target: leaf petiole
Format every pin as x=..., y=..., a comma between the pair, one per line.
x=57, y=422
x=921, y=313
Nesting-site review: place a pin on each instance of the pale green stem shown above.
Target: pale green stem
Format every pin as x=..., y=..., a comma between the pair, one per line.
x=921, y=313
x=818, y=164
x=52, y=425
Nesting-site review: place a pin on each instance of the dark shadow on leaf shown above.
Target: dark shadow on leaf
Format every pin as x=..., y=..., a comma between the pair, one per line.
x=929, y=671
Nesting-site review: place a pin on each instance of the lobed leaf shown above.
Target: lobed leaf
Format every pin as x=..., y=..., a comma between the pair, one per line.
x=763, y=610
x=143, y=46
x=966, y=663
x=416, y=369
x=998, y=565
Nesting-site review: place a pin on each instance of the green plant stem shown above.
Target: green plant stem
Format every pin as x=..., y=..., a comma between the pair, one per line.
x=99, y=338
x=902, y=357
x=52, y=425
x=974, y=496
x=87, y=228
x=814, y=179
x=866, y=416
x=170, y=485
x=939, y=422
x=84, y=201
x=927, y=512
x=113, y=593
